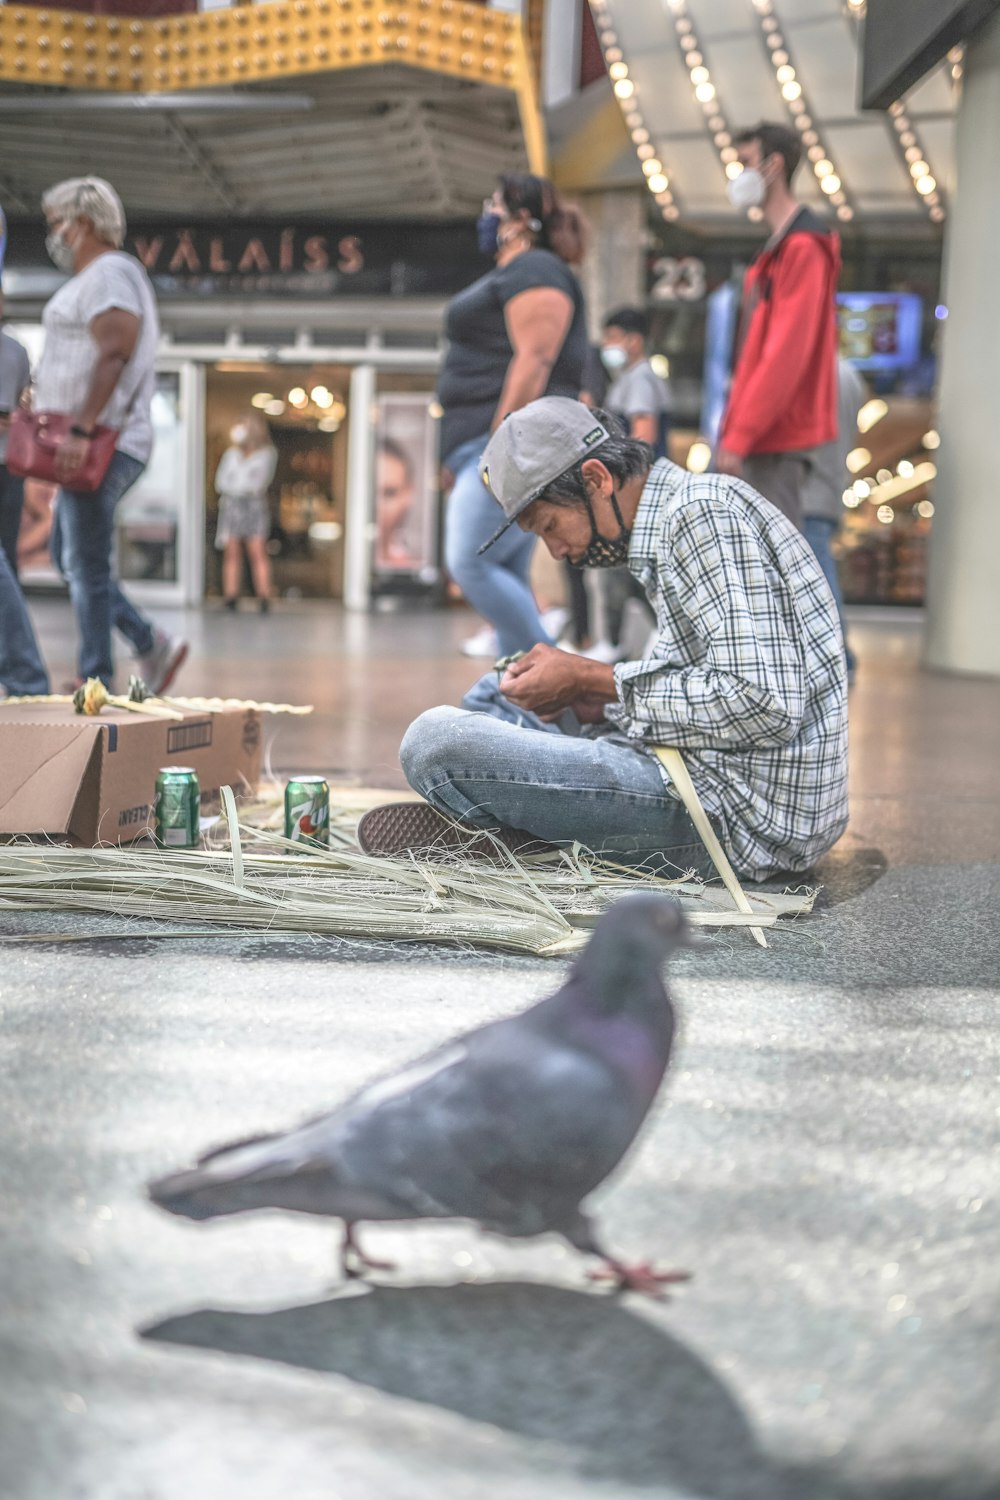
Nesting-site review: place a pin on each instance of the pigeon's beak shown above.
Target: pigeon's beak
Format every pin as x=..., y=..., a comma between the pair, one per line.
x=693, y=939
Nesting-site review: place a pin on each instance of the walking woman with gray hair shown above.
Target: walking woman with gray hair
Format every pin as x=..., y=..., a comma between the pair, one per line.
x=97, y=365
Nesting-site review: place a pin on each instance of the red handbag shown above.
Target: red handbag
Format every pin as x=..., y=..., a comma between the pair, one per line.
x=35, y=438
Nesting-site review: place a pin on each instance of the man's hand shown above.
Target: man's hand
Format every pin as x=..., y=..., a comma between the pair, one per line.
x=727, y=462
x=547, y=681
x=70, y=457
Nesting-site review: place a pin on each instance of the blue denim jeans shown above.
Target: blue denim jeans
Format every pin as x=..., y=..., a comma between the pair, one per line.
x=11, y=505
x=83, y=534
x=21, y=666
x=819, y=532
x=491, y=763
x=497, y=584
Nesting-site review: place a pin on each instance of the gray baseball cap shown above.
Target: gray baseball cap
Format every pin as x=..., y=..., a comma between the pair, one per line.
x=532, y=447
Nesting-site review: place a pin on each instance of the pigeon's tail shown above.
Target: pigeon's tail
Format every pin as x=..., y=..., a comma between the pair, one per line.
x=226, y=1181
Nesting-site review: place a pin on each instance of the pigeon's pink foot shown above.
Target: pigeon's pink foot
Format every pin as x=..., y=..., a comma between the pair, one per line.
x=353, y=1260
x=640, y=1278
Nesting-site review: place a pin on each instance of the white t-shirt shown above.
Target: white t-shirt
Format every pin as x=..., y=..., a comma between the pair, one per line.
x=242, y=473
x=114, y=279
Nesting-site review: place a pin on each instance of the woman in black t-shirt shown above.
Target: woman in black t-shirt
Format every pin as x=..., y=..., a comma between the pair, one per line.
x=517, y=333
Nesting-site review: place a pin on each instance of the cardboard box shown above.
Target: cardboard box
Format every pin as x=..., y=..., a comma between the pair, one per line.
x=94, y=779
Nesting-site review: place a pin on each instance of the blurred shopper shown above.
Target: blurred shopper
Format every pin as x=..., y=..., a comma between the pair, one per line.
x=823, y=490
x=640, y=399
x=101, y=332
x=783, y=397
x=15, y=378
x=517, y=333
x=637, y=396
x=242, y=480
x=21, y=667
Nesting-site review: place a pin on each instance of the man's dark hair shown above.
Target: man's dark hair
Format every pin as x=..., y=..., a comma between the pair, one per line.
x=629, y=320
x=774, y=140
x=622, y=456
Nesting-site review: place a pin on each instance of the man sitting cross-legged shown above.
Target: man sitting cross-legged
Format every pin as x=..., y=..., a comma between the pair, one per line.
x=745, y=673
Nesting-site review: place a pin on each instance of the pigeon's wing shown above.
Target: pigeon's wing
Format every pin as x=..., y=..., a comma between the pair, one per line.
x=506, y=1125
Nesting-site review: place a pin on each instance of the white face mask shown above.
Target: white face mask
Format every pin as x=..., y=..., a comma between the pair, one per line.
x=238, y=434
x=60, y=253
x=614, y=358
x=748, y=190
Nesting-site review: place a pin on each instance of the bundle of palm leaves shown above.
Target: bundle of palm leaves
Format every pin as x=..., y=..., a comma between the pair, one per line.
x=248, y=878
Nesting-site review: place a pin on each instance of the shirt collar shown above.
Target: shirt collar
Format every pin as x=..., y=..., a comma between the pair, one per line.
x=663, y=483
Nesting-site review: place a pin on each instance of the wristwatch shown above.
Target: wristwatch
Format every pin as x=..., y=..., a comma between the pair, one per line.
x=77, y=431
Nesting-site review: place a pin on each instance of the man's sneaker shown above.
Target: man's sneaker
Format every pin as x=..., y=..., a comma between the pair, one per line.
x=400, y=828
x=159, y=667
x=483, y=643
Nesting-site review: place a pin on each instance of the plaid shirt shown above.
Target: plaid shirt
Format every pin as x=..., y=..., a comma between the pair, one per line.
x=746, y=674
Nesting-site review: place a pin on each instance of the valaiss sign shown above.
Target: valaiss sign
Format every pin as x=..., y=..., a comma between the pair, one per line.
x=205, y=258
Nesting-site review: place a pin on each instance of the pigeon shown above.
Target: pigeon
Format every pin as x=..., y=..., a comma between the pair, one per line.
x=511, y=1125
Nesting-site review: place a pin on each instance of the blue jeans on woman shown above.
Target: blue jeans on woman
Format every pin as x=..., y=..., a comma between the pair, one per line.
x=498, y=583
x=81, y=545
x=490, y=763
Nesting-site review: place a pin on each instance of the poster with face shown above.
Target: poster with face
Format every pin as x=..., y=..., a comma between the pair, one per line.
x=405, y=507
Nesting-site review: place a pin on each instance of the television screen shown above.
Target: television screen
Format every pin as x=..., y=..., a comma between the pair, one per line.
x=879, y=330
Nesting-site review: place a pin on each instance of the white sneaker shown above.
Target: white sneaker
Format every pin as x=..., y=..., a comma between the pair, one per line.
x=483, y=643
x=603, y=651
x=159, y=667
x=555, y=620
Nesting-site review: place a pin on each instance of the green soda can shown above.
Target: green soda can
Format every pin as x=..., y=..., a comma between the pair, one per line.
x=178, y=808
x=307, y=810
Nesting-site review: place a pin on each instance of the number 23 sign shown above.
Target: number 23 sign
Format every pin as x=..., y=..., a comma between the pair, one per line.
x=678, y=280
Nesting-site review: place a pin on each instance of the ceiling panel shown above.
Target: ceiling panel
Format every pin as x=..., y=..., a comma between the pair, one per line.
x=665, y=95
x=822, y=40
x=826, y=61
x=745, y=81
x=934, y=95
x=867, y=159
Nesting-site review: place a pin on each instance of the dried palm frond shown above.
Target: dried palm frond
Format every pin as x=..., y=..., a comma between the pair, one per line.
x=251, y=879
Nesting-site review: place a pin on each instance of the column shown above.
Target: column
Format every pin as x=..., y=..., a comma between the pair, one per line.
x=358, y=511
x=613, y=274
x=964, y=574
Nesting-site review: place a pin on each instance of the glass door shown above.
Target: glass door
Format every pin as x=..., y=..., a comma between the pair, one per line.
x=159, y=526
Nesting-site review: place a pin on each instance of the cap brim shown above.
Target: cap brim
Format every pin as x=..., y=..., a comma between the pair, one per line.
x=496, y=536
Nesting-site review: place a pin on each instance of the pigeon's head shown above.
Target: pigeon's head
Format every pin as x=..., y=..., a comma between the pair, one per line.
x=633, y=940
x=654, y=924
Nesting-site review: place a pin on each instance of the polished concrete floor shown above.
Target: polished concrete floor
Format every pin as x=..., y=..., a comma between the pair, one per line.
x=824, y=1159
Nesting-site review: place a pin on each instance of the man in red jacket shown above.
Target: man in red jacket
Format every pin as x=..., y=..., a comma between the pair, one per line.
x=783, y=397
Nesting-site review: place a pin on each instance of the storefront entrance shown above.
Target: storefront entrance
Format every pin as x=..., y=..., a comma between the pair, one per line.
x=371, y=475
x=305, y=408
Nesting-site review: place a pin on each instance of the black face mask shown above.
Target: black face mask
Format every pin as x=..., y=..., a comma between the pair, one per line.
x=603, y=553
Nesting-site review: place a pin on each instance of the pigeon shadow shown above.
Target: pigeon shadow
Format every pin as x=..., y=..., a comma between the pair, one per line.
x=629, y=1400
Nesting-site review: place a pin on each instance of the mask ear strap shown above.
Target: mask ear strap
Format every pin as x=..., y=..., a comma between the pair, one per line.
x=595, y=535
